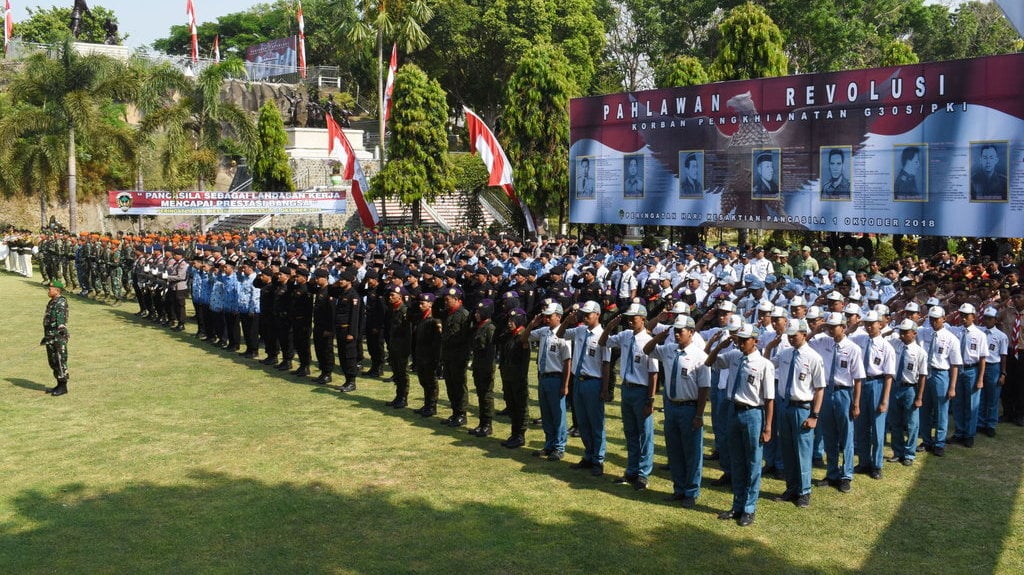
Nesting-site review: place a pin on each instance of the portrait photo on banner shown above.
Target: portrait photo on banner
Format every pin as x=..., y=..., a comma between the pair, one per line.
x=691, y=174
x=836, y=165
x=633, y=176
x=990, y=171
x=910, y=173
x=585, y=178
x=764, y=173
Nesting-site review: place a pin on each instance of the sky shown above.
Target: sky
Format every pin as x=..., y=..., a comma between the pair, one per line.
x=144, y=20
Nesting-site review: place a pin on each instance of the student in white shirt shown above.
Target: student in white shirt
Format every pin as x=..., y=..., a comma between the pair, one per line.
x=553, y=360
x=907, y=393
x=974, y=352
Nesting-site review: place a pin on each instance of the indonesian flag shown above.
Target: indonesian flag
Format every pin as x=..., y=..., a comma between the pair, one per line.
x=390, y=86
x=216, y=48
x=8, y=23
x=302, y=44
x=339, y=148
x=190, y=11
x=485, y=144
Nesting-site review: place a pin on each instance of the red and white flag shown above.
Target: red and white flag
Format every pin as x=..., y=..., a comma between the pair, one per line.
x=8, y=23
x=389, y=88
x=216, y=48
x=484, y=143
x=190, y=11
x=339, y=148
x=302, y=44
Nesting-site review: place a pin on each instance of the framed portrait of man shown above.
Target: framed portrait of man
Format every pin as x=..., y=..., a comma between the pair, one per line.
x=691, y=174
x=990, y=171
x=836, y=173
x=585, y=178
x=910, y=173
x=764, y=177
x=633, y=176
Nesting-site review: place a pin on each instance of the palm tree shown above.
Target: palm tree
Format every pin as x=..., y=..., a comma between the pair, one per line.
x=63, y=97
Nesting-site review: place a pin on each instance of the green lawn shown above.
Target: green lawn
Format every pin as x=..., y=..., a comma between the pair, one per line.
x=169, y=457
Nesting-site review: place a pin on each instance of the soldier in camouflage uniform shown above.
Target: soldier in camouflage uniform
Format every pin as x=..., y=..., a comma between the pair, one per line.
x=55, y=337
x=114, y=270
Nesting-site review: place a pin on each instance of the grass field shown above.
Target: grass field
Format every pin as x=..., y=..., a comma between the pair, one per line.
x=170, y=457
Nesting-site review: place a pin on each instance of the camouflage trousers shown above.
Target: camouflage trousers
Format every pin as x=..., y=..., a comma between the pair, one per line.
x=57, y=356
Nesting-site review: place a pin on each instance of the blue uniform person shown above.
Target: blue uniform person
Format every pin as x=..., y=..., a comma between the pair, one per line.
x=879, y=368
x=907, y=393
x=995, y=373
x=685, y=390
x=944, y=361
x=844, y=373
x=751, y=409
x=801, y=383
x=639, y=384
x=589, y=394
x=553, y=361
x=974, y=353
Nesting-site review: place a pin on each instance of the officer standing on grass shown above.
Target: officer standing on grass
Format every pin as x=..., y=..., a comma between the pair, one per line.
x=553, y=356
x=347, y=317
x=456, y=342
x=944, y=361
x=55, y=336
x=323, y=326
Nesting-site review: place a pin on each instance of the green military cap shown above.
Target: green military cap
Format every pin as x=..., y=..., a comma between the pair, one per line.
x=57, y=284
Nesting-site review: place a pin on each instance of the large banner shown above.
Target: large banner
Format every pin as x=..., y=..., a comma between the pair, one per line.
x=132, y=203
x=931, y=149
x=272, y=58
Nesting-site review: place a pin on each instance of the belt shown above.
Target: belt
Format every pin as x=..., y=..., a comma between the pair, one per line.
x=552, y=374
x=687, y=402
x=970, y=365
x=743, y=407
x=634, y=385
x=800, y=404
x=875, y=378
x=841, y=386
x=938, y=369
x=583, y=376
x=905, y=384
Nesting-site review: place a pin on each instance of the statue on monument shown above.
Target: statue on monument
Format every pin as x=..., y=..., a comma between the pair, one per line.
x=77, y=10
x=111, y=29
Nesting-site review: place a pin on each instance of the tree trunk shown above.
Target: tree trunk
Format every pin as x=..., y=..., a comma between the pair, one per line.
x=42, y=210
x=416, y=213
x=72, y=183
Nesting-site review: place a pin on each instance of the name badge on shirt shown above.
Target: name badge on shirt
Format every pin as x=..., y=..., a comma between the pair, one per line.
x=973, y=346
x=684, y=372
x=637, y=358
x=843, y=364
x=877, y=361
x=991, y=347
x=803, y=376
x=553, y=347
x=591, y=351
x=751, y=379
x=942, y=349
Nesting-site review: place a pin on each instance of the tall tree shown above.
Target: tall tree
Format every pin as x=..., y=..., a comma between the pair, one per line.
x=535, y=128
x=271, y=171
x=680, y=71
x=420, y=167
x=66, y=97
x=751, y=46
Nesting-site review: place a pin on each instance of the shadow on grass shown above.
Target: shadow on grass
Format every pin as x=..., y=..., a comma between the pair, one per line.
x=26, y=384
x=217, y=523
x=956, y=518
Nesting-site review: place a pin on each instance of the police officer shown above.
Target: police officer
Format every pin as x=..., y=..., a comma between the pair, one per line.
x=428, y=352
x=514, y=362
x=323, y=326
x=484, y=353
x=456, y=339
x=347, y=318
x=399, y=336
x=301, y=318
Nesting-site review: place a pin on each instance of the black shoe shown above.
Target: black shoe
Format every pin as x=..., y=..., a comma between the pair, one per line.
x=429, y=411
x=179, y=327
x=675, y=497
x=818, y=463
x=907, y=462
x=484, y=431
x=60, y=390
x=373, y=372
x=324, y=379
x=922, y=447
x=556, y=456
x=726, y=515
x=284, y=366
x=875, y=474
x=894, y=459
x=597, y=470
x=968, y=442
x=457, y=421
x=504, y=412
x=713, y=456
x=543, y=452
x=582, y=464
x=989, y=431
x=725, y=479
x=537, y=421
x=348, y=387
x=745, y=520
x=270, y=360
x=640, y=484
x=688, y=502
x=825, y=482
x=573, y=432
x=862, y=469
x=303, y=371
x=786, y=496
x=938, y=451
x=844, y=486
x=514, y=442
x=400, y=403
x=474, y=431
x=625, y=479
x=803, y=501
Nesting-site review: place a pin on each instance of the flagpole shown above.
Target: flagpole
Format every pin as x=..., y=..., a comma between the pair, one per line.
x=380, y=113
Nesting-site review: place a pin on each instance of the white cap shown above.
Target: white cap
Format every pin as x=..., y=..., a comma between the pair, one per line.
x=852, y=308
x=835, y=318
x=936, y=312
x=798, y=326
x=552, y=308
x=990, y=312
x=684, y=321
x=908, y=325
x=835, y=296
x=968, y=309
x=747, y=331
x=870, y=317
x=635, y=310
x=591, y=307
x=912, y=307
x=727, y=305
x=882, y=309
x=680, y=307
x=932, y=301
x=693, y=276
x=765, y=306
x=797, y=301
x=813, y=312
x=779, y=311
x=735, y=323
